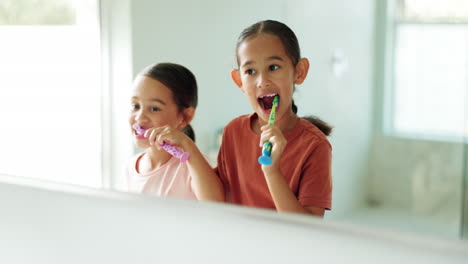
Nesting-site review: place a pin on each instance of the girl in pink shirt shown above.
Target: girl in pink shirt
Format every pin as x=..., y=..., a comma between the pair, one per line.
x=164, y=98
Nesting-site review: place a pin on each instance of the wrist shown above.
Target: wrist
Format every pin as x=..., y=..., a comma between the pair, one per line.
x=271, y=171
x=189, y=146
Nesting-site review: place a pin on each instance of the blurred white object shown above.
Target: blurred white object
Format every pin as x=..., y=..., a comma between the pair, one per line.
x=339, y=63
x=51, y=223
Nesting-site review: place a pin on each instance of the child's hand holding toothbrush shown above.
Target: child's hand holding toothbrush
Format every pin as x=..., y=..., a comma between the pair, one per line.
x=274, y=135
x=168, y=138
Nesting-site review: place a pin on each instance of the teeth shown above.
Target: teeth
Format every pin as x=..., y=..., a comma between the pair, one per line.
x=267, y=95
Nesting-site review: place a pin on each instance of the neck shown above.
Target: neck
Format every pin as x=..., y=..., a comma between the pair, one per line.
x=156, y=158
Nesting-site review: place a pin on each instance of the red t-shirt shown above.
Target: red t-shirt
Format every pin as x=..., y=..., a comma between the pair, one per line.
x=305, y=163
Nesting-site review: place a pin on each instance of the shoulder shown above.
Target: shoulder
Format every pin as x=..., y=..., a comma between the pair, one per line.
x=236, y=132
x=174, y=165
x=237, y=125
x=311, y=147
x=312, y=133
x=238, y=121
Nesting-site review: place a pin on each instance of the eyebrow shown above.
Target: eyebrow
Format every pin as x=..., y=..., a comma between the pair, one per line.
x=268, y=59
x=152, y=100
x=159, y=101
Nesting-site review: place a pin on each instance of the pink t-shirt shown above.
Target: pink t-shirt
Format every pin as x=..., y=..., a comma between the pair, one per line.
x=171, y=179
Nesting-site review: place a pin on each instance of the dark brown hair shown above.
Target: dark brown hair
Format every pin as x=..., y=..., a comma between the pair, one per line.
x=291, y=46
x=182, y=84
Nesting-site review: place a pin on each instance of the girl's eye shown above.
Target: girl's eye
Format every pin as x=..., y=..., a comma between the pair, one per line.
x=155, y=109
x=135, y=107
x=273, y=67
x=250, y=72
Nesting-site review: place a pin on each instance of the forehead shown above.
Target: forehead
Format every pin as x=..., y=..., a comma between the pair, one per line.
x=261, y=47
x=145, y=87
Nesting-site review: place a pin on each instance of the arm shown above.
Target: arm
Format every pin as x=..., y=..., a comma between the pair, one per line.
x=285, y=200
x=206, y=184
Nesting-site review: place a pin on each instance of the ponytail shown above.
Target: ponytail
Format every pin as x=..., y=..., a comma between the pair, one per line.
x=294, y=107
x=319, y=123
x=188, y=130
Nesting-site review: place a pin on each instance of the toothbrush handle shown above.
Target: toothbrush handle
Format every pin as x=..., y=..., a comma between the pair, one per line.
x=176, y=152
x=265, y=158
x=266, y=150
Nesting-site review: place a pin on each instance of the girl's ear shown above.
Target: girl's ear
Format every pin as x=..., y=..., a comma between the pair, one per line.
x=302, y=68
x=235, y=75
x=187, y=115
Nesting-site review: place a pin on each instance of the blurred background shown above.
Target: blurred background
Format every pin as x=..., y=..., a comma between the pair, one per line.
x=390, y=76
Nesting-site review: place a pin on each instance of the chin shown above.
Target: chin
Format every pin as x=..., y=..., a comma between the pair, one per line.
x=142, y=145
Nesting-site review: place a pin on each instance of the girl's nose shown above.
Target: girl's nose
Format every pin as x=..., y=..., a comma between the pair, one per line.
x=140, y=116
x=263, y=81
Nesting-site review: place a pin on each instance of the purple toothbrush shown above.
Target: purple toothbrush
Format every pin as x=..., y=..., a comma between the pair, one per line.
x=173, y=150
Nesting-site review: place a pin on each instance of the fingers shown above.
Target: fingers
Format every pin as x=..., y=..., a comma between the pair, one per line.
x=158, y=135
x=276, y=138
x=152, y=136
x=268, y=133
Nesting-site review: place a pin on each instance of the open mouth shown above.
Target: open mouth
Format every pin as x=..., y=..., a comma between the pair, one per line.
x=266, y=101
x=139, y=131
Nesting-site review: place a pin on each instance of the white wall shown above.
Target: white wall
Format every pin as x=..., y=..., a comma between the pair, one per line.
x=202, y=35
x=345, y=101
x=50, y=223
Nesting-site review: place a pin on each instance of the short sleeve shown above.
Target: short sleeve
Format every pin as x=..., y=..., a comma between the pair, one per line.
x=315, y=187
